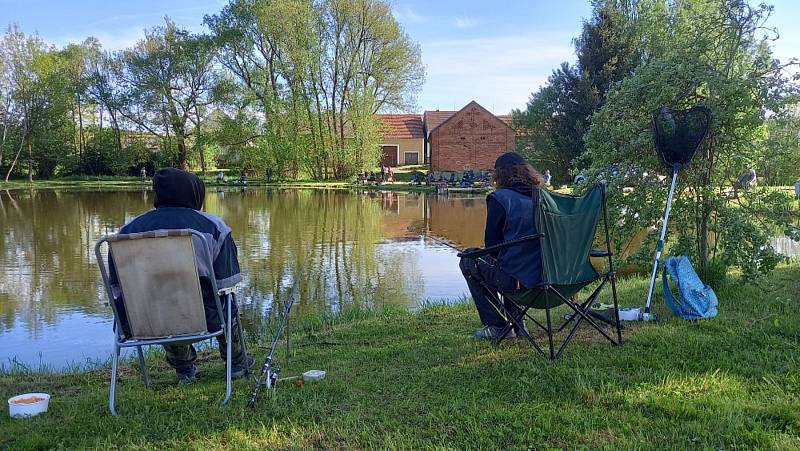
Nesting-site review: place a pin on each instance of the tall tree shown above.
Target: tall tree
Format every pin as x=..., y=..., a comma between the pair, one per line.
x=317, y=72
x=557, y=116
x=168, y=75
x=23, y=55
x=733, y=73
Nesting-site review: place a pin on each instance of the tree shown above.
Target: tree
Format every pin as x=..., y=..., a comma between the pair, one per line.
x=168, y=78
x=317, y=72
x=778, y=160
x=557, y=117
x=105, y=89
x=730, y=71
x=23, y=56
x=303, y=80
x=7, y=112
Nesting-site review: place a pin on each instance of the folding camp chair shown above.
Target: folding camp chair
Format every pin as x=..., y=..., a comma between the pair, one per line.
x=160, y=291
x=567, y=226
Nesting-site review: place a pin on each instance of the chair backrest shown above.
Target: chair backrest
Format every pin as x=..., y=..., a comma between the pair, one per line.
x=569, y=224
x=160, y=286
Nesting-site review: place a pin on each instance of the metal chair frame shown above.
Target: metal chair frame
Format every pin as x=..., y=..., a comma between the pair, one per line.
x=121, y=341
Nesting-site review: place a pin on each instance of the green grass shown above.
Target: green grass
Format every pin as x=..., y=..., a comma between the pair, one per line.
x=418, y=380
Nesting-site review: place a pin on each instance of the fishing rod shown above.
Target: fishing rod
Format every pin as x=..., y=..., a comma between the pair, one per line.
x=489, y=249
x=269, y=375
x=441, y=241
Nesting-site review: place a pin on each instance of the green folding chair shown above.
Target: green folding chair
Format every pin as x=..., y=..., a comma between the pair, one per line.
x=567, y=226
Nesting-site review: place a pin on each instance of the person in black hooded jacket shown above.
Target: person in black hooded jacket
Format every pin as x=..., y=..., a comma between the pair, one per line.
x=509, y=216
x=179, y=197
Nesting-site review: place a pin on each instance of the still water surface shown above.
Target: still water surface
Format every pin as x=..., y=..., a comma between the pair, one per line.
x=343, y=248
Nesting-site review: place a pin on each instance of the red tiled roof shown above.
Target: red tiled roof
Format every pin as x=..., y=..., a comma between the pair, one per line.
x=401, y=126
x=507, y=118
x=433, y=119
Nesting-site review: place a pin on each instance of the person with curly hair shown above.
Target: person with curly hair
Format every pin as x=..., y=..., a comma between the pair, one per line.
x=509, y=216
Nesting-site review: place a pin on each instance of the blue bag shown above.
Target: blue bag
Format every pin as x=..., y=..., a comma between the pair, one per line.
x=695, y=300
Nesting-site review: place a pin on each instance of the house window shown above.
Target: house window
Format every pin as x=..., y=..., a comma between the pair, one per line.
x=411, y=158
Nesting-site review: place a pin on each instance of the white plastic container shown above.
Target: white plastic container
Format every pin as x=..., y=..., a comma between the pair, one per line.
x=19, y=409
x=313, y=375
x=629, y=313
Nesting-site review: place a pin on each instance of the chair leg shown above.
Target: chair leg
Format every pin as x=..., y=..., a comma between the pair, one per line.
x=518, y=319
x=584, y=315
x=228, y=358
x=616, y=308
x=113, y=391
x=585, y=306
x=239, y=324
x=498, y=305
x=569, y=335
x=549, y=332
x=506, y=330
x=574, y=315
x=143, y=367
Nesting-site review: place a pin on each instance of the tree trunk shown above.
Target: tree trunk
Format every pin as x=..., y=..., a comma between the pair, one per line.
x=182, y=154
x=705, y=216
x=117, y=133
x=30, y=161
x=202, y=159
x=3, y=142
x=16, y=157
x=199, y=143
x=5, y=127
x=81, y=141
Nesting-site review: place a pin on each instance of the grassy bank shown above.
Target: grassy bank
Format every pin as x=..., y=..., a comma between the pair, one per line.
x=418, y=380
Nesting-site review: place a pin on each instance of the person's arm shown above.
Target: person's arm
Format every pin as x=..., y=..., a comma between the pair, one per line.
x=495, y=221
x=226, y=265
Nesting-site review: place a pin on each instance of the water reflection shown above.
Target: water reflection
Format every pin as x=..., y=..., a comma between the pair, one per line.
x=341, y=247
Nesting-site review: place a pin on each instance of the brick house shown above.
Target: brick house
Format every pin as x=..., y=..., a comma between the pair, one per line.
x=402, y=140
x=471, y=138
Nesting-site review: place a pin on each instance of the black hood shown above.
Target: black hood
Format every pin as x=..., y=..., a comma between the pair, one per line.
x=176, y=188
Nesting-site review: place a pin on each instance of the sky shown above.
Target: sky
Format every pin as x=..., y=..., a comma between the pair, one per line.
x=495, y=52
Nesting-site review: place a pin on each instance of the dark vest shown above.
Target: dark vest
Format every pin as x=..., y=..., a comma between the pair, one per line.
x=522, y=261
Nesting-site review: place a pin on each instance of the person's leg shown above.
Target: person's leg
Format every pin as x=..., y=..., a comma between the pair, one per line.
x=237, y=349
x=240, y=361
x=475, y=275
x=182, y=358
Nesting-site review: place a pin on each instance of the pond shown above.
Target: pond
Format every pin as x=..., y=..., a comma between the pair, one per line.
x=368, y=249
x=344, y=248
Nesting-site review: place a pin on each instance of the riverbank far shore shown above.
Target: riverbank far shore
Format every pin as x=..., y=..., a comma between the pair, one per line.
x=399, y=379
x=137, y=183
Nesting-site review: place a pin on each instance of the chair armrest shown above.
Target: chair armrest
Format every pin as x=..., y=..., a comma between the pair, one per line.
x=477, y=253
x=599, y=253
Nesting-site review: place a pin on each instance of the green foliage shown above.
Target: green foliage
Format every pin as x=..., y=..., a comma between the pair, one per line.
x=778, y=160
x=730, y=72
x=557, y=117
x=169, y=77
x=302, y=80
x=313, y=74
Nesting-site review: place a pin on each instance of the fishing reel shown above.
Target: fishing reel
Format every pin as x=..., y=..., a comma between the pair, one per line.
x=271, y=378
x=268, y=379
